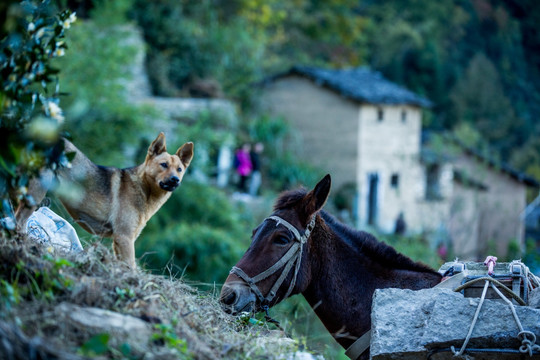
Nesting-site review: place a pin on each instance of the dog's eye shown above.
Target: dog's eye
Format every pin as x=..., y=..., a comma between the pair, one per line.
x=281, y=240
x=164, y=165
x=179, y=169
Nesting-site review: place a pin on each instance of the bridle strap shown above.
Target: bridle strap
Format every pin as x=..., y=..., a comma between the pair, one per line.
x=302, y=239
x=292, y=254
x=288, y=225
x=292, y=257
x=239, y=272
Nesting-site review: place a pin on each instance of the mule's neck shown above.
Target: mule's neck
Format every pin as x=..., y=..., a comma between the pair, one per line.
x=343, y=280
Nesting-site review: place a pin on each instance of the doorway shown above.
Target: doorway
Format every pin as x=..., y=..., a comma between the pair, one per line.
x=373, y=181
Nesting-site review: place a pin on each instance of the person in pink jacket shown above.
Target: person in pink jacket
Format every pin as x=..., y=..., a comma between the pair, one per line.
x=243, y=166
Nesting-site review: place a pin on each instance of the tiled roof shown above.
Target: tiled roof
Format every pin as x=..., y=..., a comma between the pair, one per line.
x=504, y=167
x=360, y=84
x=432, y=156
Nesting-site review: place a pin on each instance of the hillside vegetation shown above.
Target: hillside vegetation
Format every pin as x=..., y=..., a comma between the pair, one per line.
x=43, y=298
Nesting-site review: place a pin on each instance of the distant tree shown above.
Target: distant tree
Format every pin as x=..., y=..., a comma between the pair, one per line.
x=478, y=99
x=527, y=157
x=302, y=31
x=192, y=46
x=528, y=14
x=96, y=72
x=413, y=43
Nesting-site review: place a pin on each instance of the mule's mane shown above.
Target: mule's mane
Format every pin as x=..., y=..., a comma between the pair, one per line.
x=289, y=199
x=361, y=241
x=369, y=245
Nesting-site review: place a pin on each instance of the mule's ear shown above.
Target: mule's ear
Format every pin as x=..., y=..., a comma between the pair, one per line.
x=157, y=146
x=185, y=153
x=316, y=198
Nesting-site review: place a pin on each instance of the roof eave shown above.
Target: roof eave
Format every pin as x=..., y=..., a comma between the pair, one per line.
x=296, y=70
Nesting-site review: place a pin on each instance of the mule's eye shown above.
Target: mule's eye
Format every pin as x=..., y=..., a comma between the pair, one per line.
x=281, y=240
x=164, y=165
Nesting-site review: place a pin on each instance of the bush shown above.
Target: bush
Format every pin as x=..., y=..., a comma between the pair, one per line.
x=198, y=230
x=416, y=247
x=95, y=74
x=31, y=117
x=284, y=170
x=190, y=42
x=532, y=255
x=208, y=143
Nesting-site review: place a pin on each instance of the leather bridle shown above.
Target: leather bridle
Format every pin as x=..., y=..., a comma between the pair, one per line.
x=293, y=257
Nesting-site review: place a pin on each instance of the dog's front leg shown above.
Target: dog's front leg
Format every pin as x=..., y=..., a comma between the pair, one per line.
x=124, y=249
x=23, y=210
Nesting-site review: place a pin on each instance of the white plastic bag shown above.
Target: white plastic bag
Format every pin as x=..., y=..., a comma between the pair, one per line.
x=49, y=229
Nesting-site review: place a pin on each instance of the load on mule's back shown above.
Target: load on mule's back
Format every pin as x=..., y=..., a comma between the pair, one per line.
x=303, y=249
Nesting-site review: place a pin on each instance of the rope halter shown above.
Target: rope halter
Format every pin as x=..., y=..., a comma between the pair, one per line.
x=291, y=258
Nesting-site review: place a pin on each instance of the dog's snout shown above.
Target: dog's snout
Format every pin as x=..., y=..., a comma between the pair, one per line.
x=170, y=184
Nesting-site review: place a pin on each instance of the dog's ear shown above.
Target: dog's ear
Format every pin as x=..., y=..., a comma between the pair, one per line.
x=157, y=146
x=185, y=153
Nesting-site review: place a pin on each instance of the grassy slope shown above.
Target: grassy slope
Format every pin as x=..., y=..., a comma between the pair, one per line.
x=186, y=323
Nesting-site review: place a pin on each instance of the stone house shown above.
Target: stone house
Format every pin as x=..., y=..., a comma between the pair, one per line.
x=531, y=215
x=367, y=133
x=486, y=202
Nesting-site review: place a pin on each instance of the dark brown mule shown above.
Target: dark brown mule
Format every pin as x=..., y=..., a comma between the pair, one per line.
x=340, y=268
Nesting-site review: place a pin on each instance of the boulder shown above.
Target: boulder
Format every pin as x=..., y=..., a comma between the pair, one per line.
x=410, y=324
x=130, y=329
x=534, y=298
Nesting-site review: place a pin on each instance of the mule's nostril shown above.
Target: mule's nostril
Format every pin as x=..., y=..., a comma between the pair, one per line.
x=229, y=299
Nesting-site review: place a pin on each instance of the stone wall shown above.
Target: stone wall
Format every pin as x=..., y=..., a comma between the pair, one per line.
x=138, y=86
x=327, y=125
x=499, y=207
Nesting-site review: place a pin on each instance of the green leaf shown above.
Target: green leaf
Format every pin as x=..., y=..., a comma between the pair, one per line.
x=96, y=345
x=60, y=262
x=125, y=349
x=71, y=155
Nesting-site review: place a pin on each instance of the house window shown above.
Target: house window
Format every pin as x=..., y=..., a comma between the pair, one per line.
x=380, y=114
x=394, y=181
x=403, y=116
x=433, y=186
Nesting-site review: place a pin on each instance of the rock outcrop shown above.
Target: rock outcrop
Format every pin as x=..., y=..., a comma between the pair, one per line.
x=410, y=324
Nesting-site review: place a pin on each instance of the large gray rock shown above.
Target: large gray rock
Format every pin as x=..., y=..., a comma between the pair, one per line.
x=534, y=298
x=130, y=329
x=408, y=324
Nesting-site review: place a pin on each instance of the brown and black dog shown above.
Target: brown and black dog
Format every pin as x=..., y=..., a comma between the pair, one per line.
x=114, y=202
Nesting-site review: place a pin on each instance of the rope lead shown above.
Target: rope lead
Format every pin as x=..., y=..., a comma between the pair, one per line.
x=271, y=320
x=527, y=338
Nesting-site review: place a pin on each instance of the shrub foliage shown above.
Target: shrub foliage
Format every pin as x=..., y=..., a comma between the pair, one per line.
x=31, y=116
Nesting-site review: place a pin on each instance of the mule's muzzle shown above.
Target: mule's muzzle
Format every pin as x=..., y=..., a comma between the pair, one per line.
x=171, y=184
x=237, y=298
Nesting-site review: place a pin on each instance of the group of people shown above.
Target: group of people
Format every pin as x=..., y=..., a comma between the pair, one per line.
x=247, y=162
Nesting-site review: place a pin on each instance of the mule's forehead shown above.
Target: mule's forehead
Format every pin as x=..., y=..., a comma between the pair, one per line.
x=268, y=227
x=259, y=231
